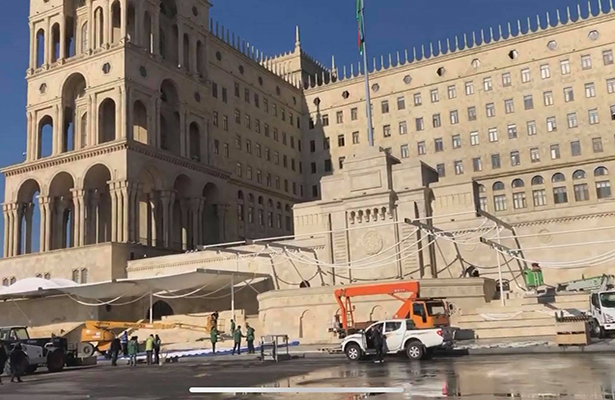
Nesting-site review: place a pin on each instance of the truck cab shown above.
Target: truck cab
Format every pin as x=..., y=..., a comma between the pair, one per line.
x=429, y=313
x=602, y=309
x=401, y=335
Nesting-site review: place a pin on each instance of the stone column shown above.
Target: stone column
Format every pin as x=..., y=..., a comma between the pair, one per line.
x=157, y=114
x=124, y=22
x=165, y=199
x=91, y=28
x=46, y=213
x=156, y=31
x=139, y=15
x=33, y=47
x=15, y=239
x=93, y=220
x=29, y=138
x=79, y=216
x=58, y=129
x=92, y=121
x=197, y=212
x=108, y=24
x=184, y=223
x=124, y=126
x=193, y=59
x=126, y=188
x=48, y=43
x=5, y=215
x=180, y=49
x=29, y=212
x=62, y=38
x=114, y=215
x=183, y=132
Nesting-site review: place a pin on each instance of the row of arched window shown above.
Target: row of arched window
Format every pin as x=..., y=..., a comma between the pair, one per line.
x=254, y=215
x=556, y=178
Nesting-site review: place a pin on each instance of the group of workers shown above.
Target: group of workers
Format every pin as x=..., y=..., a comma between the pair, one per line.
x=130, y=348
x=236, y=335
x=16, y=357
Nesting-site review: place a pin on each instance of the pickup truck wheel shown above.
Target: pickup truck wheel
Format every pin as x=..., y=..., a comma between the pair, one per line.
x=55, y=360
x=415, y=350
x=354, y=352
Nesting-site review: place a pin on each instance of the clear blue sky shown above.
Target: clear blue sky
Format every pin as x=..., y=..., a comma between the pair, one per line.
x=328, y=27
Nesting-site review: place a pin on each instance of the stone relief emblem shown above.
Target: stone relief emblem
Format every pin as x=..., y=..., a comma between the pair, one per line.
x=372, y=242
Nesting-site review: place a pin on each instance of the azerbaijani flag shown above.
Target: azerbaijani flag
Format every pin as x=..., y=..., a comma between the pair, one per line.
x=361, y=24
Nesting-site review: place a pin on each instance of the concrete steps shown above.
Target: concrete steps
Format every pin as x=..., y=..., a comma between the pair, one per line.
x=521, y=317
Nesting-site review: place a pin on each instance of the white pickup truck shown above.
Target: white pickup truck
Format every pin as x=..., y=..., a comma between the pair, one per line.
x=401, y=335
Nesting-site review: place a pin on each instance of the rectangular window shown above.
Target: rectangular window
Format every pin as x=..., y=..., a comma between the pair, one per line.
x=257, y=125
x=227, y=150
x=403, y=127
x=613, y=113
x=384, y=106
x=495, y=161
x=581, y=192
x=339, y=117
x=477, y=164
x=525, y=75
x=341, y=141
x=548, y=97
x=586, y=61
x=545, y=72
x=386, y=131
x=509, y=106
x=575, y=148
x=474, y=140
x=313, y=167
x=276, y=137
x=266, y=105
x=487, y=84
x=417, y=99
x=355, y=137
x=607, y=57
x=535, y=154
x=274, y=107
x=258, y=150
x=354, y=114
x=441, y=169
x=454, y=115
x=603, y=189
x=528, y=102
x=564, y=66
x=482, y=203
x=215, y=118
x=247, y=95
x=590, y=90
x=531, y=128
x=238, y=142
x=493, y=135
x=458, y=167
x=421, y=148
x=519, y=201
x=435, y=120
x=239, y=170
x=572, y=120
x=515, y=158
x=401, y=103
x=568, y=94
x=237, y=90
x=560, y=195
x=512, y=131
x=276, y=158
x=551, y=124
x=237, y=117
x=420, y=124
x=540, y=197
x=469, y=88
x=555, y=154
x=340, y=162
x=435, y=96
x=438, y=145
x=456, y=141
x=216, y=146
x=257, y=100
x=610, y=85
x=593, y=116
x=499, y=202
x=328, y=166
x=490, y=107
x=506, y=79
x=471, y=113
x=405, y=151
x=214, y=89
x=312, y=146
x=249, y=146
x=597, y=145
x=326, y=143
x=225, y=122
x=248, y=121
x=452, y=91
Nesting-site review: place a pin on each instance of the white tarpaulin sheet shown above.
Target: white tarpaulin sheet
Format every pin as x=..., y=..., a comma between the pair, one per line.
x=206, y=279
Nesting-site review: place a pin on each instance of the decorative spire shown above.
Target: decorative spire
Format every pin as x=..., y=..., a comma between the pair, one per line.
x=390, y=60
x=456, y=43
x=297, y=37
x=578, y=12
x=589, y=8
x=509, y=30
x=439, y=47
x=398, y=60
x=344, y=72
x=448, y=45
x=500, y=31
x=490, y=34
x=519, y=27
x=414, y=53
x=611, y=4
x=559, y=19
x=352, y=70
x=482, y=36
x=430, y=49
x=422, y=52
x=529, y=25
x=406, y=55
x=548, y=21
x=568, y=14
x=538, y=22
x=473, y=38
x=465, y=41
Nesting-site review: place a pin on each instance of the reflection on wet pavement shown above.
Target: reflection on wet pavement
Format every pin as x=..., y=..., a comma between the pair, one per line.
x=516, y=376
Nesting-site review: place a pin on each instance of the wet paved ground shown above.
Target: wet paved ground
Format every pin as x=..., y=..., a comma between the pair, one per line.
x=582, y=376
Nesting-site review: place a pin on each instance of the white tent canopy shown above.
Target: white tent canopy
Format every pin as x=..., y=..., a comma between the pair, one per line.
x=206, y=279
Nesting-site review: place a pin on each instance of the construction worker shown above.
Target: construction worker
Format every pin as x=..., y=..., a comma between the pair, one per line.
x=115, y=351
x=214, y=318
x=379, y=342
x=149, y=348
x=3, y=359
x=124, y=342
x=133, y=350
x=232, y=326
x=237, y=339
x=157, y=344
x=17, y=358
x=250, y=338
x=213, y=335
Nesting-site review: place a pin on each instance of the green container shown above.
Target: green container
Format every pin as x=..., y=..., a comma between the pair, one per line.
x=533, y=279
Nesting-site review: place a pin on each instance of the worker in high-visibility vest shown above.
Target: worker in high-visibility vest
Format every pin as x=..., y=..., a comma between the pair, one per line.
x=237, y=339
x=250, y=338
x=213, y=335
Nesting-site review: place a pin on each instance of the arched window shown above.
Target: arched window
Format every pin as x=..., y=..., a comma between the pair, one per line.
x=200, y=55
x=518, y=183
x=45, y=137
x=279, y=206
x=149, y=37
x=482, y=189
x=99, y=27
x=195, y=142
x=106, y=121
x=579, y=174
x=84, y=38
x=139, y=127
x=40, y=48
x=498, y=186
x=260, y=200
x=186, y=60
x=76, y=275
x=251, y=198
x=84, y=275
x=538, y=180
x=270, y=203
x=558, y=177
x=116, y=21
x=55, y=43
x=240, y=195
x=131, y=27
x=5, y=281
x=601, y=171
x=13, y=280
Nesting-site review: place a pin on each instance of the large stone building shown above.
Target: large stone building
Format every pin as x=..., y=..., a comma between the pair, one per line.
x=153, y=131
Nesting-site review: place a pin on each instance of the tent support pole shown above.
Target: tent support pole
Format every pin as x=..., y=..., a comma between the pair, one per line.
x=233, y=296
x=151, y=308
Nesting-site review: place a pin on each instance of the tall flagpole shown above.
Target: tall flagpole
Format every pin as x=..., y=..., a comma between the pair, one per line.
x=368, y=101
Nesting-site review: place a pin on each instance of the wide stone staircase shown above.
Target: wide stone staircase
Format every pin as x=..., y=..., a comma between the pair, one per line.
x=527, y=316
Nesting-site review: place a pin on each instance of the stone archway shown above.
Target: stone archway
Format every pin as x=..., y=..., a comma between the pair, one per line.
x=160, y=309
x=97, y=208
x=62, y=215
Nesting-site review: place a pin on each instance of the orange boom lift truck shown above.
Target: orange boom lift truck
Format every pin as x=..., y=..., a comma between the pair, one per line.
x=426, y=313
